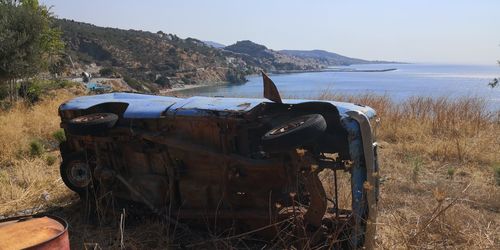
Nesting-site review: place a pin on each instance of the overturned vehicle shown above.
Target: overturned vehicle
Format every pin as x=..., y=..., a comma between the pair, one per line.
x=253, y=164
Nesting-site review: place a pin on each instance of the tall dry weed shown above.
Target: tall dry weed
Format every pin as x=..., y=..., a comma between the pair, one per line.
x=26, y=180
x=421, y=138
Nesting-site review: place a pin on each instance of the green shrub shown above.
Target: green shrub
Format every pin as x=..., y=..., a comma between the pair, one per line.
x=31, y=91
x=36, y=148
x=451, y=172
x=59, y=135
x=496, y=171
x=63, y=83
x=50, y=160
x=417, y=164
x=106, y=72
x=163, y=81
x=4, y=93
x=34, y=93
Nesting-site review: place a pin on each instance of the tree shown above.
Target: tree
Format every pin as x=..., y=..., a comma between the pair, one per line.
x=28, y=43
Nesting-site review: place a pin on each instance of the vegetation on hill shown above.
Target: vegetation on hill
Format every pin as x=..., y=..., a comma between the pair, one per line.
x=270, y=60
x=328, y=58
x=155, y=60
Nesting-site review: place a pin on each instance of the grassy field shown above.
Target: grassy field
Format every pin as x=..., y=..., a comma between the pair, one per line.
x=440, y=173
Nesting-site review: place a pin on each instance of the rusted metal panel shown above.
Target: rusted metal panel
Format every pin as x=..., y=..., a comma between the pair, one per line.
x=270, y=90
x=34, y=232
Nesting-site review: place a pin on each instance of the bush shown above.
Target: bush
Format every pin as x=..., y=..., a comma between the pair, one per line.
x=4, y=93
x=36, y=148
x=451, y=172
x=59, y=136
x=62, y=83
x=496, y=170
x=30, y=91
x=106, y=72
x=34, y=93
x=163, y=81
x=50, y=160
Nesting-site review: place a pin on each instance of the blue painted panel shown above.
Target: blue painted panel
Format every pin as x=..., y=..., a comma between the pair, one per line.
x=358, y=175
x=343, y=107
x=140, y=106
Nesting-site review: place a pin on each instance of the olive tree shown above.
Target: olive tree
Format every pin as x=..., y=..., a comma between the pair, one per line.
x=28, y=43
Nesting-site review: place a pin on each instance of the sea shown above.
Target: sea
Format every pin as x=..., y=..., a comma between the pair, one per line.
x=430, y=80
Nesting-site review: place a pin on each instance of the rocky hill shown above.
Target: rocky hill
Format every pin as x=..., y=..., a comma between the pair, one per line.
x=271, y=60
x=150, y=61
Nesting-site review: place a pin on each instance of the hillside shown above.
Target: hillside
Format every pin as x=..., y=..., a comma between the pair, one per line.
x=328, y=58
x=149, y=61
x=325, y=57
x=271, y=60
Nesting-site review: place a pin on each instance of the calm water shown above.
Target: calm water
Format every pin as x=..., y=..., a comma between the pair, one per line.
x=408, y=80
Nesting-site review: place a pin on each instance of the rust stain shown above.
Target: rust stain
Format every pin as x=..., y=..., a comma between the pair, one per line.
x=47, y=232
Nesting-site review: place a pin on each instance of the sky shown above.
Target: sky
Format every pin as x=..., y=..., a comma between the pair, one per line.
x=428, y=31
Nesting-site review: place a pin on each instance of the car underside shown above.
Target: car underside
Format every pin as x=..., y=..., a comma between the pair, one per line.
x=245, y=163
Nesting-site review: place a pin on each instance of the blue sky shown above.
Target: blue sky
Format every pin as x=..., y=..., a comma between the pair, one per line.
x=444, y=31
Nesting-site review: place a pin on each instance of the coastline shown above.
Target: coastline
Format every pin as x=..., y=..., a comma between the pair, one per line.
x=190, y=86
x=340, y=70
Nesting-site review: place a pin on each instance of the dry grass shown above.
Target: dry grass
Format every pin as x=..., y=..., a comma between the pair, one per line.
x=437, y=160
x=26, y=180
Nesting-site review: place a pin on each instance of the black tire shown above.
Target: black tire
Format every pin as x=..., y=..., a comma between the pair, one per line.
x=300, y=131
x=92, y=124
x=76, y=173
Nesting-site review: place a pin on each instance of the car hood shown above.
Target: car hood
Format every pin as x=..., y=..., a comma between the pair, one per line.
x=153, y=106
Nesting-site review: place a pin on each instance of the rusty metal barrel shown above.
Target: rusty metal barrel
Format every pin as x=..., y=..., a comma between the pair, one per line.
x=38, y=232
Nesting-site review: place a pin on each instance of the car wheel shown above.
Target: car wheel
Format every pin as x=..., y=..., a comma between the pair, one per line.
x=76, y=173
x=92, y=124
x=300, y=131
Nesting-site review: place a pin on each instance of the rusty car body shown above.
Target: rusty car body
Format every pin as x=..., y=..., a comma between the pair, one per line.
x=253, y=161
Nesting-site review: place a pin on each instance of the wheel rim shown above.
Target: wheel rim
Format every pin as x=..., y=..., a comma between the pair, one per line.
x=88, y=118
x=287, y=127
x=79, y=174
